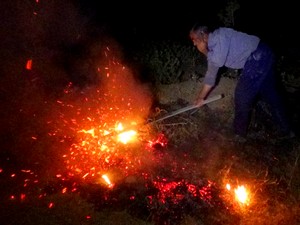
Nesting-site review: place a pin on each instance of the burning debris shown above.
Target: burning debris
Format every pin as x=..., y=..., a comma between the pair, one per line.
x=112, y=159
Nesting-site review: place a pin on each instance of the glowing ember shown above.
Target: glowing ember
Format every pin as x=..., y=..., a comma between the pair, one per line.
x=50, y=205
x=228, y=187
x=29, y=64
x=119, y=127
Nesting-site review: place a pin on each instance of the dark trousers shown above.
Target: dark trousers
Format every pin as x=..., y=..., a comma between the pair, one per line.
x=257, y=80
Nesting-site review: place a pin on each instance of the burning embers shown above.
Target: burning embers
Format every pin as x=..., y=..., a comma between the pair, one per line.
x=115, y=160
x=96, y=121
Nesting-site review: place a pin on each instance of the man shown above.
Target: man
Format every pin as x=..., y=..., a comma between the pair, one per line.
x=237, y=50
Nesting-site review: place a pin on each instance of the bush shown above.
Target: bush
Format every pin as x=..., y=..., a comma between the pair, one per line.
x=170, y=62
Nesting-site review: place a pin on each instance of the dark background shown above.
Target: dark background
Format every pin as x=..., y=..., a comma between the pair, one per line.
x=134, y=21
x=269, y=20
x=67, y=35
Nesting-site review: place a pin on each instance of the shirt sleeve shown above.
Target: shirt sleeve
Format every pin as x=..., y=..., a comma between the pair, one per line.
x=211, y=74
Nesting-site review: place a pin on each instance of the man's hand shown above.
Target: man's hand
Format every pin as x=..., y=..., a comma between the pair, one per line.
x=203, y=94
x=199, y=102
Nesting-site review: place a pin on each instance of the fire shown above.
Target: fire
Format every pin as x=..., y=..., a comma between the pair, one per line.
x=106, y=179
x=91, y=132
x=228, y=187
x=119, y=127
x=95, y=123
x=241, y=194
x=127, y=136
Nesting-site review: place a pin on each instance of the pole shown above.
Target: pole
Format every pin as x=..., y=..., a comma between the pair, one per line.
x=187, y=108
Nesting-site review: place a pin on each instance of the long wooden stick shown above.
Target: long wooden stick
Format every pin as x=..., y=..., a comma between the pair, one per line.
x=187, y=108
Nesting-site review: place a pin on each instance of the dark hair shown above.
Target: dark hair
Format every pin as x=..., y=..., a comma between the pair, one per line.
x=199, y=28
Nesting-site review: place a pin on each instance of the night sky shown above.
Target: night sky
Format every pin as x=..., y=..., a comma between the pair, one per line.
x=173, y=20
x=58, y=26
x=135, y=20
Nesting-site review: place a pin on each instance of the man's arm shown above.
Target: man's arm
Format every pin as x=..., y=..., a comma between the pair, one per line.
x=209, y=82
x=203, y=94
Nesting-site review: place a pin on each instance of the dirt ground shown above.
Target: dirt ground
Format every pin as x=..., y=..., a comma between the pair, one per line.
x=201, y=154
x=266, y=163
x=187, y=91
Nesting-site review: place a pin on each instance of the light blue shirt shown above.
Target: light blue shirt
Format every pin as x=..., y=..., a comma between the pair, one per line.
x=229, y=48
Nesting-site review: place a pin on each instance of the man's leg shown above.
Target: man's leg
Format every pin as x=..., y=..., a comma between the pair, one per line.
x=257, y=67
x=270, y=94
x=244, y=98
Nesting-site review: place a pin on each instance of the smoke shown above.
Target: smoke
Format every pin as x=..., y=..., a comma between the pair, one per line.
x=64, y=47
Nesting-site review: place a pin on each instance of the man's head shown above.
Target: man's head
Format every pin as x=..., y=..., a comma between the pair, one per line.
x=199, y=37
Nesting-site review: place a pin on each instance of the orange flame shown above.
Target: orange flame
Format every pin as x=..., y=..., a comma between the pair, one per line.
x=106, y=179
x=241, y=194
x=127, y=136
